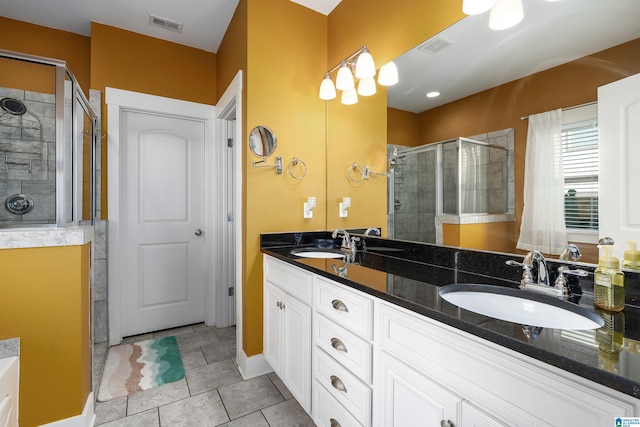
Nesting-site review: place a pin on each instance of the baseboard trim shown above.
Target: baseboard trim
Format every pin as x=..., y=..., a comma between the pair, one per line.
x=251, y=367
x=86, y=419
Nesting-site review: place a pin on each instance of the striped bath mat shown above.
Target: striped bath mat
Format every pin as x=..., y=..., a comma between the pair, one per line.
x=140, y=366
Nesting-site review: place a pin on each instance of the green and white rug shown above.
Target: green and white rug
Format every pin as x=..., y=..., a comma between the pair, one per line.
x=140, y=366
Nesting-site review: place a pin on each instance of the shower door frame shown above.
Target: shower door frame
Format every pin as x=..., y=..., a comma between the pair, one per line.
x=438, y=146
x=391, y=184
x=62, y=169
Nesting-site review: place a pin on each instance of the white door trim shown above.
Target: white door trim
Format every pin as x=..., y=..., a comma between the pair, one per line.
x=118, y=100
x=253, y=366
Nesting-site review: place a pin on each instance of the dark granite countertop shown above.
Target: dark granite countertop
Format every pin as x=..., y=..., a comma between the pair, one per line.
x=409, y=275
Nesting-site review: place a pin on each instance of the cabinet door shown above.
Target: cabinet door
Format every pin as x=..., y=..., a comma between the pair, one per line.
x=272, y=340
x=297, y=350
x=475, y=417
x=409, y=398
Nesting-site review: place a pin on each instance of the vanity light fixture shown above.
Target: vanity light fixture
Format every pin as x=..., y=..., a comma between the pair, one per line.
x=360, y=65
x=344, y=206
x=308, y=207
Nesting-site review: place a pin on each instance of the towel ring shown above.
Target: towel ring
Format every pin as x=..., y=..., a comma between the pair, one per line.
x=294, y=162
x=355, y=166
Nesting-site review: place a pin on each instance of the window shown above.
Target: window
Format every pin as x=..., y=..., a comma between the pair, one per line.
x=580, y=162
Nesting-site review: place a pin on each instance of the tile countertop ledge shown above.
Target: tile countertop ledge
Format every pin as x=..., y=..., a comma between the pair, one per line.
x=20, y=238
x=415, y=287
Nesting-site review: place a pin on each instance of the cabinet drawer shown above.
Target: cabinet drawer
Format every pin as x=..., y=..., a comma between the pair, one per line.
x=347, y=348
x=352, y=310
x=294, y=281
x=345, y=387
x=327, y=412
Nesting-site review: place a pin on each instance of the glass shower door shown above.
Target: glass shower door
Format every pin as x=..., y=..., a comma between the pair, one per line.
x=413, y=190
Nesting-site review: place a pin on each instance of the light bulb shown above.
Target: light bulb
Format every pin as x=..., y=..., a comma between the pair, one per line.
x=365, y=67
x=344, y=79
x=505, y=14
x=349, y=96
x=327, y=88
x=388, y=74
x=476, y=7
x=367, y=87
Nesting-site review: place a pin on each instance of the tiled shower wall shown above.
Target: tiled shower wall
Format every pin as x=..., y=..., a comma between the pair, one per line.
x=484, y=173
x=415, y=197
x=28, y=156
x=496, y=192
x=100, y=307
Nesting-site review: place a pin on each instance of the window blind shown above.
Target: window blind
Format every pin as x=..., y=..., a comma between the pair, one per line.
x=580, y=162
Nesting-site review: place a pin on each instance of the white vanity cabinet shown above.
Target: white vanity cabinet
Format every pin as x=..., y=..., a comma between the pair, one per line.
x=342, y=355
x=287, y=326
x=427, y=370
x=361, y=361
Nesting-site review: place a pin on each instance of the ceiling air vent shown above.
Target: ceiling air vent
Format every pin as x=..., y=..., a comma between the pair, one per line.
x=165, y=23
x=434, y=45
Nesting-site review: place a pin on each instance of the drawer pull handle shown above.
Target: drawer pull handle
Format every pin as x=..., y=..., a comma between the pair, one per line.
x=337, y=383
x=338, y=345
x=339, y=305
x=446, y=423
x=334, y=423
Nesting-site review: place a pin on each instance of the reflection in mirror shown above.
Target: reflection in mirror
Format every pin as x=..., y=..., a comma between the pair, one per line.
x=489, y=80
x=262, y=141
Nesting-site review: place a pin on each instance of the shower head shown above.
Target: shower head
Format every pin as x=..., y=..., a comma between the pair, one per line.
x=13, y=106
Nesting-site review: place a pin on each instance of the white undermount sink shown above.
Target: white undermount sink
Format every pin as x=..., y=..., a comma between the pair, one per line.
x=518, y=306
x=318, y=253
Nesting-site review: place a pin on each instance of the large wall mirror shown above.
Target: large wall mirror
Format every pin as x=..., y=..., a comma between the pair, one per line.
x=488, y=80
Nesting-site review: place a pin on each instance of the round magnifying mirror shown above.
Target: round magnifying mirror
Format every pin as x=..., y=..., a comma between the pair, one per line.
x=262, y=141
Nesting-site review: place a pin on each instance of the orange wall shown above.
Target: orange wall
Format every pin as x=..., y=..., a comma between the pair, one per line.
x=286, y=59
x=492, y=236
x=501, y=107
x=403, y=128
x=42, y=41
x=151, y=65
x=232, y=53
x=28, y=76
x=48, y=308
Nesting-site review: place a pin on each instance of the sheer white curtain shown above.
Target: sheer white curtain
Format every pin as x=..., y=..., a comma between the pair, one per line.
x=543, y=227
x=470, y=179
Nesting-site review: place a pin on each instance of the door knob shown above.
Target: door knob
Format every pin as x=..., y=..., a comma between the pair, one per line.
x=198, y=232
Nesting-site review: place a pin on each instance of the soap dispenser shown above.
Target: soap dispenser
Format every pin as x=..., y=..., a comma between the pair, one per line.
x=631, y=256
x=608, y=279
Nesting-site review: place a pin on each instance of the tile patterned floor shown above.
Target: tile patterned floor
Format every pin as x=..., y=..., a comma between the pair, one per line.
x=212, y=394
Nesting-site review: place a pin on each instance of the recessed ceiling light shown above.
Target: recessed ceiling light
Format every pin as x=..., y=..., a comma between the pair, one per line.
x=433, y=94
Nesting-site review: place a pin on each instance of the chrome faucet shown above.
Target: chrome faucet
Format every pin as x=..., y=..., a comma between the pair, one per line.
x=346, y=240
x=527, y=264
x=570, y=252
x=374, y=230
x=542, y=284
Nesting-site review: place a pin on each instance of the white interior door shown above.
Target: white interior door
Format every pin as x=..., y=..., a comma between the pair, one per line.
x=619, y=148
x=162, y=187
